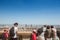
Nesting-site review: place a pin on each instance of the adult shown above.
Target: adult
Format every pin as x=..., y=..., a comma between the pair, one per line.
x=47, y=34
x=13, y=32
x=44, y=28
x=41, y=32
x=53, y=33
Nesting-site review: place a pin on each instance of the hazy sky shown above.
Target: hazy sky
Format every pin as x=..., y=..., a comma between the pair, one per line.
x=30, y=11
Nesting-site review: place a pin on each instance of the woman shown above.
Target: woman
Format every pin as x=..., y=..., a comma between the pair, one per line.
x=40, y=34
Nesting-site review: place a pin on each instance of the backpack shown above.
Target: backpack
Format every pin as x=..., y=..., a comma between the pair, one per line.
x=12, y=32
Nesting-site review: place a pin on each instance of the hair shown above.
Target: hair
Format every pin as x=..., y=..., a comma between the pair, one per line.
x=40, y=30
x=52, y=26
x=48, y=27
x=15, y=23
x=44, y=25
x=5, y=30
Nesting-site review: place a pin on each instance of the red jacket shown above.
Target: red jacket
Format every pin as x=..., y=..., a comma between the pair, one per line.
x=6, y=35
x=34, y=36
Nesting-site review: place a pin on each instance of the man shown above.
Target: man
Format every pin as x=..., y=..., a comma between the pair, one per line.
x=44, y=28
x=13, y=32
x=47, y=34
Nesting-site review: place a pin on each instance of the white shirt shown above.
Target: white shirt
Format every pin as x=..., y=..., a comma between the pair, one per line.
x=44, y=29
x=15, y=30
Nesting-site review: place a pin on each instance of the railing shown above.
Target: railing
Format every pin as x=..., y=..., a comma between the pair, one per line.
x=21, y=35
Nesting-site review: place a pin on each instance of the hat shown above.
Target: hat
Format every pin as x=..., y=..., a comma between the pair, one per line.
x=34, y=31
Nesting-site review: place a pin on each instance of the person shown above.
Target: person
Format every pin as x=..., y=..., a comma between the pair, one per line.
x=13, y=32
x=40, y=33
x=39, y=37
x=58, y=34
x=47, y=34
x=53, y=29
x=44, y=28
x=5, y=35
x=34, y=37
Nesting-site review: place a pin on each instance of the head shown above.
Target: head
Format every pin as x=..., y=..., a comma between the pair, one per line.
x=48, y=27
x=52, y=26
x=40, y=30
x=44, y=25
x=16, y=24
x=34, y=31
x=5, y=31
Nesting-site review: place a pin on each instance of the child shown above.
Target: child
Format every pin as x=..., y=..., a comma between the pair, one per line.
x=34, y=35
x=5, y=35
